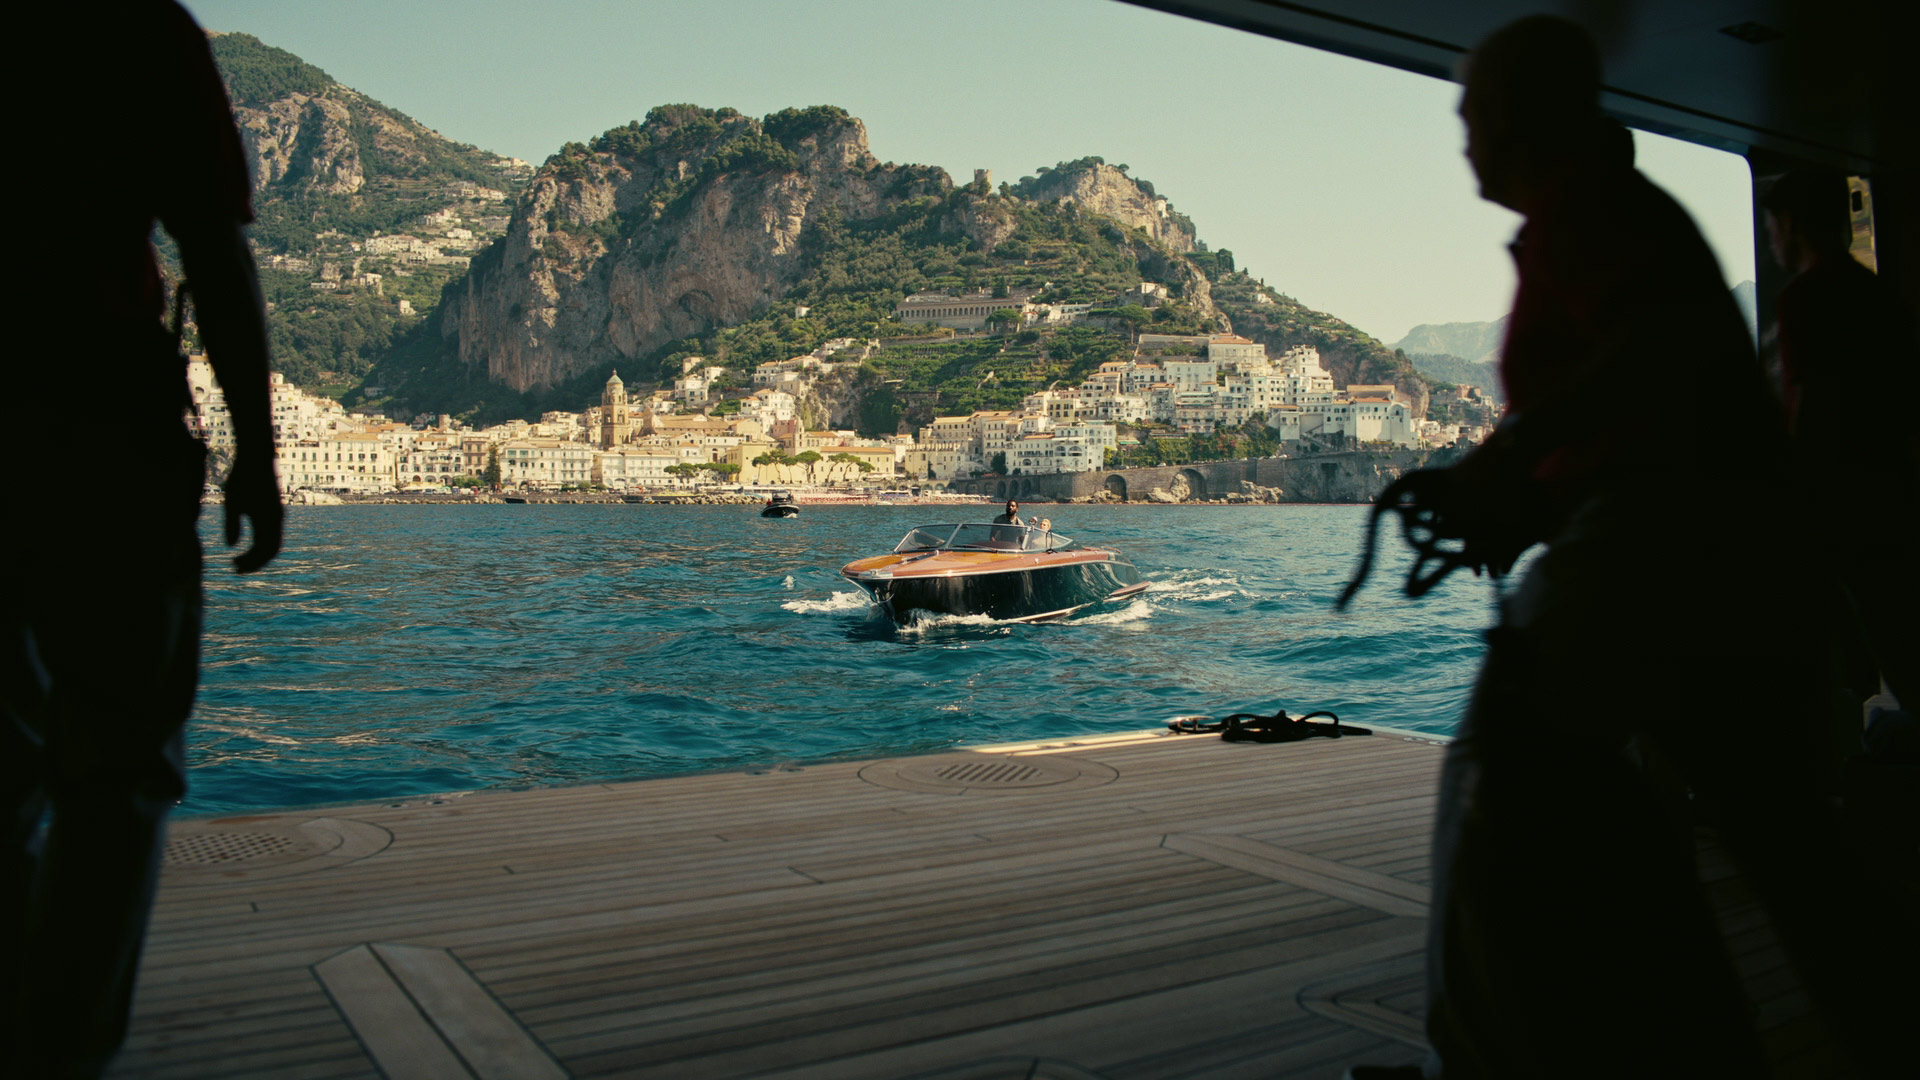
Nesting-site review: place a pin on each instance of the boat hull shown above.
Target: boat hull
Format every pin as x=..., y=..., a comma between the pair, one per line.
x=1033, y=592
x=781, y=510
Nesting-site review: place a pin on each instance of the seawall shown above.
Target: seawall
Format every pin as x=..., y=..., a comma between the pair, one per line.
x=1354, y=476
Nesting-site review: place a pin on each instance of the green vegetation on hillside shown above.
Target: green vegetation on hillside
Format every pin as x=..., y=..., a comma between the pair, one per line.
x=1252, y=439
x=860, y=271
x=932, y=237
x=257, y=73
x=328, y=340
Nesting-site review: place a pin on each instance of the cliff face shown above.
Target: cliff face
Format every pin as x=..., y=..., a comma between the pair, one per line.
x=1103, y=189
x=662, y=230
x=302, y=140
x=306, y=134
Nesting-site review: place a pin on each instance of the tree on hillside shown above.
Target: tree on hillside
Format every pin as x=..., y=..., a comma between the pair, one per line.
x=1134, y=316
x=492, y=475
x=1262, y=441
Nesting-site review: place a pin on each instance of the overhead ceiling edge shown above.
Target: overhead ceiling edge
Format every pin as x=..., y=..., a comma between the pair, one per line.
x=1330, y=31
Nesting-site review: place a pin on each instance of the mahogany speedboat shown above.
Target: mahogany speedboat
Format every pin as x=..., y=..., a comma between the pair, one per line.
x=1014, y=573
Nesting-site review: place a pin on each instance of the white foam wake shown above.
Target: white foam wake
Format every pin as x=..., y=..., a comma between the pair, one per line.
x=1204, y=588
x=836, y=602
x=1135, y=611
x=920, y=622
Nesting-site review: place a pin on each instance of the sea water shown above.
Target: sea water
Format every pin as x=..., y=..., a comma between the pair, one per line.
x=396, y=651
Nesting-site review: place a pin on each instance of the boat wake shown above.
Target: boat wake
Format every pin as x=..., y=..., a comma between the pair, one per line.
x=1198, y=587
x=1135, y=611
x=836, y=603
x=925, y=622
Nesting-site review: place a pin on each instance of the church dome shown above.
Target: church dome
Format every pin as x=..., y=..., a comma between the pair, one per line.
x=614, y=379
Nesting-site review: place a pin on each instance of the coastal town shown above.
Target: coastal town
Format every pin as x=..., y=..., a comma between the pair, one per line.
x=706, y=429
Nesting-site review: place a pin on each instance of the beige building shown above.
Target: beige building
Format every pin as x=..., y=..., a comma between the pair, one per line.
x=357, y=462
x=616, y=416
x=969, y=312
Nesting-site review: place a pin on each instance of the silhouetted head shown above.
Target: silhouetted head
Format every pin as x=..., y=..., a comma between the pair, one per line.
x=1531, y=100
x=1807, y=216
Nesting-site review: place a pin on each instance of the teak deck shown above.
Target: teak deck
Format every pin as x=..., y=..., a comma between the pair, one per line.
x=1123, y=907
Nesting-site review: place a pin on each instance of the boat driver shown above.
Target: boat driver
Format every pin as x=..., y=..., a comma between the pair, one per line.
x=1011, y=517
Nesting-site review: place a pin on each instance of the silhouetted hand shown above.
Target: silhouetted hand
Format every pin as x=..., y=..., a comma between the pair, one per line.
x=1487, y=505
x=253, y=492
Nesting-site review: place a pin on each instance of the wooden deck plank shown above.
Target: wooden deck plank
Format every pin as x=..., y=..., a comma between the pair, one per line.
x=808, y=922
x=751, y=1047
x=884, y=976
x=386, y=1019
x=826, y=946
x=1135, y=1030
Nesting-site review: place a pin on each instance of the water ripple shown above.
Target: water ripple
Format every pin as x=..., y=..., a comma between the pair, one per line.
x=397, y=650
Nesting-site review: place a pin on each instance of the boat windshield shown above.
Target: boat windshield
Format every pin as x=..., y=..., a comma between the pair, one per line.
x=981, y=537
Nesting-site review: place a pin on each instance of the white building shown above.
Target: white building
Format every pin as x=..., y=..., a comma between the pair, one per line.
x=768, y=406
x=634, y=468
x=546, y=463
x=1188, y=375
x=1150, y=294
x=695, y=387
x=435, y=458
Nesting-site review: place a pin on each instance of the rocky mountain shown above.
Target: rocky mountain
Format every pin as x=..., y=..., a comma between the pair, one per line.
x=406, y=269
x=1100, y=188
x=1469, y=352
x=1442, y=368
x=333, y=170
x=1474, y=342
x=326, y=157
x=710, y=233
x=690, y=221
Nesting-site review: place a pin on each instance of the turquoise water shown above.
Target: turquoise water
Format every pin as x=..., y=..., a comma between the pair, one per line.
x=405, y=650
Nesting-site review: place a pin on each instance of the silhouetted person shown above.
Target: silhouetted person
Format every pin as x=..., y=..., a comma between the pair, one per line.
x=102, y=610
x=1655, y=647
x=1840, y=338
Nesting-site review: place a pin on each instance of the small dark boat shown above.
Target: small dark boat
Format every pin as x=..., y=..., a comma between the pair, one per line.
x=781, y=505
x=1014, y=573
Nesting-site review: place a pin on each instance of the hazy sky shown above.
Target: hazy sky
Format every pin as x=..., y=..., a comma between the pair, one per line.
x=1339, y=182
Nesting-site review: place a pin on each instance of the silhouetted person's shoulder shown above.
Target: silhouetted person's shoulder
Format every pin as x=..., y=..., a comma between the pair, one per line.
x=1840, y=323
x=138, y=131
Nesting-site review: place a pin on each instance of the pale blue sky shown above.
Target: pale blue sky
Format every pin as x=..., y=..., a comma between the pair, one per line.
x=1337, y=181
